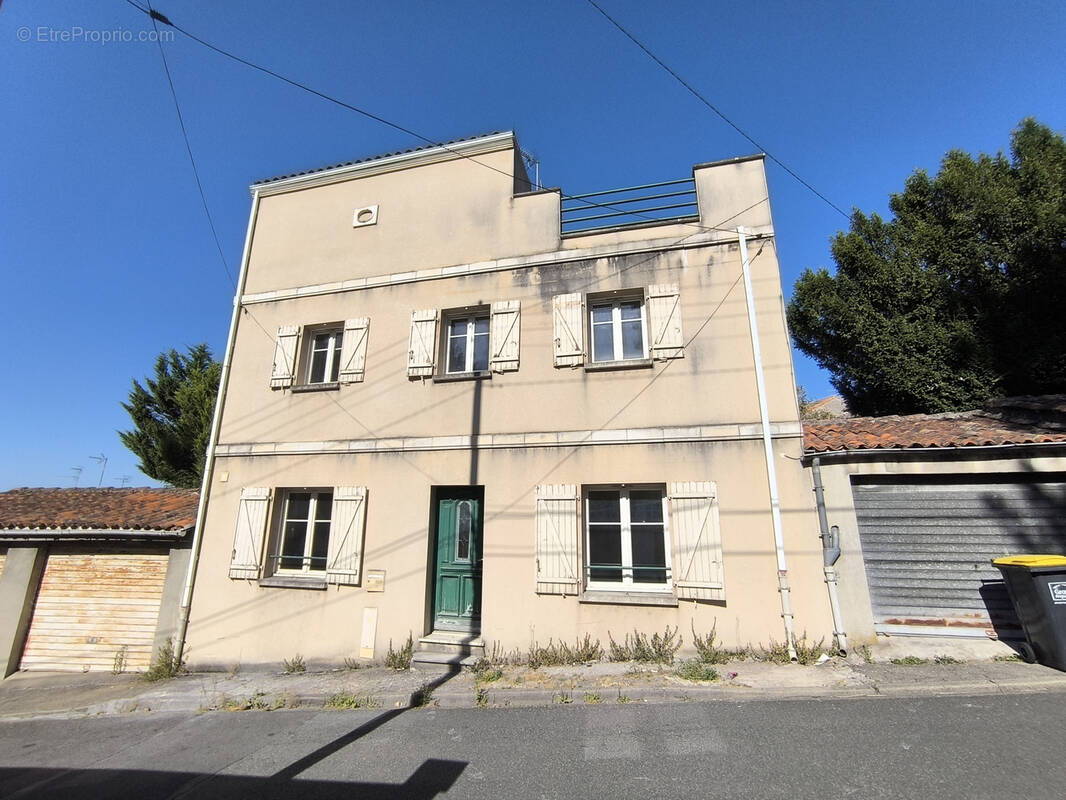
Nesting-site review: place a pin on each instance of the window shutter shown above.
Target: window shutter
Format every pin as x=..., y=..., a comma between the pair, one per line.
x=353, y=350
x=248, y=539
x=423, y=338
x=567, y=326
x=345, y=551
x=664, y=320
x=697, y=562
x=557, y=559
x=284, y=356
x=506, y=327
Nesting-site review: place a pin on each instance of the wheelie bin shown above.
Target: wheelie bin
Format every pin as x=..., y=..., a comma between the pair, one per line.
x=1037, y=588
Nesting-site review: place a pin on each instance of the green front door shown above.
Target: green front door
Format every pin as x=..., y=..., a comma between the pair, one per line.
x=457, y=591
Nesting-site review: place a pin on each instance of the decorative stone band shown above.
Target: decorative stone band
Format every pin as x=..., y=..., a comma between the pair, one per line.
x=495, y=441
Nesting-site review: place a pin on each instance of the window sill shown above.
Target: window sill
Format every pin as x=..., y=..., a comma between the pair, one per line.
x=316, y=387
x=629, y=598
x=630, y=363
x=446, y=377
x=292, y=582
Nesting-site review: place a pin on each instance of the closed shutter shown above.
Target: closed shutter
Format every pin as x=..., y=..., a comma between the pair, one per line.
x=567, y=328
x=506, y=327
x=697, y=568
x=353, y=350
x=284, y=356
x=927, y=545
x=557, y=557
x=248, y=538
x=345, y=551
x=96, y=610
x=423, y=338
x=664, y=321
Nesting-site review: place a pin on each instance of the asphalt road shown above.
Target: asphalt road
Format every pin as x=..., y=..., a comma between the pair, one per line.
x=939, y=747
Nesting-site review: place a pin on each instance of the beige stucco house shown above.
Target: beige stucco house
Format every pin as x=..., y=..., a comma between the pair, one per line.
x=443, y=415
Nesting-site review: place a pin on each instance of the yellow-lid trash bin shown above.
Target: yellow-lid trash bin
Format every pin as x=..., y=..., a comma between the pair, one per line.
x=1036, y=584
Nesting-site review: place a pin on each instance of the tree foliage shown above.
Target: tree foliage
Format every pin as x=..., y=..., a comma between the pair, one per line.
x=172, y=416
x=959, y=297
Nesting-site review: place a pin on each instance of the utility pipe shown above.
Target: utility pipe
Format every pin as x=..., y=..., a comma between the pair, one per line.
x=771, y=473
x=830, y=553
x=216, y=423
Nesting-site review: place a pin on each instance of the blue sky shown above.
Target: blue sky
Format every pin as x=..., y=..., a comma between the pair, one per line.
x=106, y=255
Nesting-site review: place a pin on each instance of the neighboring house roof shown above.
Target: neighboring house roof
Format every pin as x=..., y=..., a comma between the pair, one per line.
x=428, y=146
x=1012, y=420
x=47, y=513
x=832, y=406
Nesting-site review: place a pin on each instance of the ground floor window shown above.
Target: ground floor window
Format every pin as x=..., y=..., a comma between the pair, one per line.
x=303, y=538
x=626, y=543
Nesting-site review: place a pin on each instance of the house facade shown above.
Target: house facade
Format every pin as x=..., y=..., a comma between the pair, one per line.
x=442, y=415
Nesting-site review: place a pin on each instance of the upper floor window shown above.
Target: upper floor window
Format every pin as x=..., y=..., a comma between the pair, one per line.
x=324, y=356
x=328, y=355
x=618, y=330
x=468, y=344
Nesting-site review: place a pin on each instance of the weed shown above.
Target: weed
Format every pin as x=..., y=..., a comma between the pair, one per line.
x=696, y=671
x=581, y=652
x=423, y=696
x=481, y=697
x=119, y=664
x=945, y=659
x=488, y=676
x=809, y=652
x=564, y=698
x=909, y=661
x=400, y=659
x=866, y=653
x=707, y=649
x=293, y=665
x=659, y=649
x=352, y=663
x=1007, y=657
x=623, y=698
x=166, y=663
x=349, y=700
x=593, y=698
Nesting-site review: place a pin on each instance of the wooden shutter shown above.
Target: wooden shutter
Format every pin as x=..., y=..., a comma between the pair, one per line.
x=664, y=322
x=697, y=561
x=248, y=539
x=353, y=350
x=506, y=327
x=557, y=558
x=423, y=339
x=345, y=552
x=284, y=356
x=567, y=324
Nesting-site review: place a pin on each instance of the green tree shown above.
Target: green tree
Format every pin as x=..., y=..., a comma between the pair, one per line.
x=959, y=297
x=172, y=416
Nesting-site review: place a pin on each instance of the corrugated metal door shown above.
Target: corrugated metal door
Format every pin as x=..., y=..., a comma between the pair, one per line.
x=928, y=543
x=96, y=610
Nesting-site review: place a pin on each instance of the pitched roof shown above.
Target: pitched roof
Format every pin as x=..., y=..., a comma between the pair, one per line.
x=1012, y=420
x=172, y=510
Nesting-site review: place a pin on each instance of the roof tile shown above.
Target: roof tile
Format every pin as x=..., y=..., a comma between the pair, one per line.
x=99, y=509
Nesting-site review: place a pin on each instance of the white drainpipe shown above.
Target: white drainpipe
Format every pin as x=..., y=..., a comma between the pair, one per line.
x=209, y=461
x=771, y=472
x=830, y=553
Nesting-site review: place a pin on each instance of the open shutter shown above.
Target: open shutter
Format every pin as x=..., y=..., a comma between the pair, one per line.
x=345, y=552
x=423, y=338
x=567, y=327
x=697, y=562
x=506, y=326
x=664, y=321
x=557, y=559
x=353, y=350
x=248, y=539
x=284, y=356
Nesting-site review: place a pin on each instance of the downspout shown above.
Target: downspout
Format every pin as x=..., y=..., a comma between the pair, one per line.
x=783, y=587
x=216, y=423
x=830, y=553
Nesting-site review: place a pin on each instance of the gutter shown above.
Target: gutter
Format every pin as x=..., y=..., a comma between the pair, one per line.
x=212, y=442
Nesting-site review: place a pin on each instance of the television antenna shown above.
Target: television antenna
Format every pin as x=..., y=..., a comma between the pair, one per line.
x=102, y=461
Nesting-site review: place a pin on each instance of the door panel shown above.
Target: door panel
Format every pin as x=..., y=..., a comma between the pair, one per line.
x=457, y=590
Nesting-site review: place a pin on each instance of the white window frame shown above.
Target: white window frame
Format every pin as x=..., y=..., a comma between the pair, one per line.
x=627, y=583
x=470, y=318
x=615, y=303
x=333, y=353
x=277, y=540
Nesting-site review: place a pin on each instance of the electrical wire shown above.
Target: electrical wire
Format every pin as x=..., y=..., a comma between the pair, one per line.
x=699, y=96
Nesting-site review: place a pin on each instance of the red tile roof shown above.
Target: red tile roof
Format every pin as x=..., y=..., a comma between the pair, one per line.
x=98, y=509
x=1015, y=420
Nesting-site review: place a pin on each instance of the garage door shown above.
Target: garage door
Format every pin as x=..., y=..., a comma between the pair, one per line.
x=96, y=610
x=928, y=544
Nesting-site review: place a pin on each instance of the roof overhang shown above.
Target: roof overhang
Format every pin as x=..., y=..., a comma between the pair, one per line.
x=8, y=535
x=967, y=453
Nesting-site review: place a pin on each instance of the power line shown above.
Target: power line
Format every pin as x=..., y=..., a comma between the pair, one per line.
x=695, y=92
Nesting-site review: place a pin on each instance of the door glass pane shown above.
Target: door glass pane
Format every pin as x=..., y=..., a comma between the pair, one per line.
x=632, y=339
x=605, y=553
x=603, y=507
x=463, y=522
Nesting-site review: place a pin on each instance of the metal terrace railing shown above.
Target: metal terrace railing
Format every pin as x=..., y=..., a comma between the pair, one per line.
x=634, y=205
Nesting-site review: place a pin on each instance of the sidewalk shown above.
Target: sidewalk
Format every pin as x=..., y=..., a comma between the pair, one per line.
x=29, y=694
